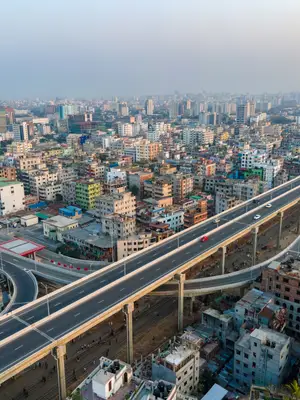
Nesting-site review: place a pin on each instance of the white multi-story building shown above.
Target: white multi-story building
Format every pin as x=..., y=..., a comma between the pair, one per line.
x=66, y=174
x=271, y=169
x=38, y=178
x=261, y=358
x=181, y=365
x=12, y=197
x=175, y=219
x=249, y=158
x=50, y=191
x=115, y=173
x=118, y=226
x=121, y=202
x=132, y=244
x=125, y=129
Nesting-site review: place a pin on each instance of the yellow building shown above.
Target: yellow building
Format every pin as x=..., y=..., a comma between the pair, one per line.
x=87, y=192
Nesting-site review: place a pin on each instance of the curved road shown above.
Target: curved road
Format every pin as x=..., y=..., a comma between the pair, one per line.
x=47, y=332
x=24, y=283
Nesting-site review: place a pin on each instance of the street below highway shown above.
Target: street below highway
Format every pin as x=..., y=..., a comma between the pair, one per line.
x=21, y=347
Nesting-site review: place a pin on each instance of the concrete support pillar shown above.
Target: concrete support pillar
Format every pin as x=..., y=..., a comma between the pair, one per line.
x=298, y=225
x=280, y=229
x=128, y=309
x=60, y=358
x=254, y=232
x=223, y=262
x=181, y=279
x=192, y=300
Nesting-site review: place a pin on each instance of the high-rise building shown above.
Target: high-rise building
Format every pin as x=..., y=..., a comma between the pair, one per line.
x=3, y=126
x=173, y=109
x=242, y=113
x=149, y=107
x=123, y=110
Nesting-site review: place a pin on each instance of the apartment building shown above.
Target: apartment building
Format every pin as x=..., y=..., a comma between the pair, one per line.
x=180, y=364
x=147, y=151
x=121, y=202
x=37, y=178
x=173, y=217
x=133, y=243
x=118, y=226
x=261, y=357
x=94, y=170
x=50, y=191
x=66, y=174
x=183, y=185
x=69, y=192
x=225, y=202
x=19, y=147
x=195, y=215
x=27, y=163
x=12, y=197
x=136, y=181
x=9, y=173
x=87, y=191
x=283, y=280
x=158, y=188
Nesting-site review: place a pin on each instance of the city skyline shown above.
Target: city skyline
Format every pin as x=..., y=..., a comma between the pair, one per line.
x=89, y=49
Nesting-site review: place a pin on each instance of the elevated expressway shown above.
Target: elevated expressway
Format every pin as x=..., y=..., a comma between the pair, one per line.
x=30, y=333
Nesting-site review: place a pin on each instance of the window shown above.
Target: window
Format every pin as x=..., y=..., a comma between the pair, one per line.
x=245, y=365
x=270, y=357
x=292, y=308
x=255, y=344
x=109, y=386
x=245, y=375
x=246, y=355
x=237, y=371
x=253, y=373
x=254, y=354
x=278, y=286
x=253, y=365
x=285, y=280
x=286, y=297
x=238, y=352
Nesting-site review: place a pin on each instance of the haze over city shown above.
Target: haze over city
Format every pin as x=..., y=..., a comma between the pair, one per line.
x=102, y=48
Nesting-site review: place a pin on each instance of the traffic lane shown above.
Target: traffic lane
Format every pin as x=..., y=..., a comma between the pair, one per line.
x=87, y=310
x=65, y=299
x=21, y=349
x=25, y=285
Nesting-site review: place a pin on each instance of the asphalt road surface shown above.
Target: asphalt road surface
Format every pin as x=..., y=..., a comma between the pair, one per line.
x=29, y=343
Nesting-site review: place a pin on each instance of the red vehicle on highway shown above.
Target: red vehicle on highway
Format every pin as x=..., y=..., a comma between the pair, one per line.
x=204, y=239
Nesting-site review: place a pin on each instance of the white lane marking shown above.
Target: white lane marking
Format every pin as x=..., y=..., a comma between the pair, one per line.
x=57, y=304
x=173, y=261
x=76, y=315
x=1, y=332
x=49, y=330
x=157, y=269
x=15, y=260
x=169, y=247
x=101, y=301
x=17, y=348
x=138, y=262
x=103, y=281
x=187, y=252
x=141, y=278
x=81, y=292
x=122, y=289
x=28, y=319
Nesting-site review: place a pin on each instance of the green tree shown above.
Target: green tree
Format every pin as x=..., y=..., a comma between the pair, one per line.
x=294, y=389
x=77, y=395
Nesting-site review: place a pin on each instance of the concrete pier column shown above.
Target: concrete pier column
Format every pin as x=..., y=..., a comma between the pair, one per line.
x=298, y=226
x=280, y=229
x=61, y=374
x=223, y=262
x=128, y=309
x=181, y=279
x=192, y=300
x=254, y=233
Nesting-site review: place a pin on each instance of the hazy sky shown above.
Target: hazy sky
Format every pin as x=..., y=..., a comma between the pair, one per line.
x=97, y=48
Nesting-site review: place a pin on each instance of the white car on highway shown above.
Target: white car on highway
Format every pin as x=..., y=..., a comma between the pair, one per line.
x=269, y=205
x=257, y=216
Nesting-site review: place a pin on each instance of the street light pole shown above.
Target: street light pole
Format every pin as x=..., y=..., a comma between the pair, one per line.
x=46, y=288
